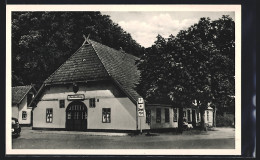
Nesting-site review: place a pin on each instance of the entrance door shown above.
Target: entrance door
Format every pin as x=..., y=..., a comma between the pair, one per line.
x=76, y=116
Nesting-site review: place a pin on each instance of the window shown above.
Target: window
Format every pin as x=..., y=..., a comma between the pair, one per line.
x=207, y=115
x=49, y=115
x=158, y=115
x=62, y=103
x=188, y=115
x=106, y=115
x=29, y=98
x=167, y=115
x=24, y=115
x=148, y=116
x=92, y=102
x=175, y=115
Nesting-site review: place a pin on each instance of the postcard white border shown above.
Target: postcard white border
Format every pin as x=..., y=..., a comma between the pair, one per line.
x=211, y=8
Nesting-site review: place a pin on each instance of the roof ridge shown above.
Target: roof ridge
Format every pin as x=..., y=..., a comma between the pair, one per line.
x=112, y=48
x=64, y=63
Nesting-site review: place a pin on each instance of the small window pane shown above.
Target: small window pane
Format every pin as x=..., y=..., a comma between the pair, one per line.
x=106, y=115
x=69, y=115
x=76, y=115
x=49, y=115
x=92, y=102
x=62, y=103
x=24, y=115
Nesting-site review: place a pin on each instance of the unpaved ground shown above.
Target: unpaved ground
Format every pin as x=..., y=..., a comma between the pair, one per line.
x=220, y=138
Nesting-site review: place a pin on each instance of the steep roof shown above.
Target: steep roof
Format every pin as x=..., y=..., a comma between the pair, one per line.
x=95, y=61
x=81, y=66
x=19, y=92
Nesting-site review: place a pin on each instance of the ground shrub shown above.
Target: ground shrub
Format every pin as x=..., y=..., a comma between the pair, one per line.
x=224, y=121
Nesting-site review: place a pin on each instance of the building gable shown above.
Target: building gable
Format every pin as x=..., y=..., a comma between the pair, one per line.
x=20, y=92
x=96, y=62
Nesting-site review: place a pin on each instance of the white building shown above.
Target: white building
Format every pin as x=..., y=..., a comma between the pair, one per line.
x=95, y=90
x=21, y=97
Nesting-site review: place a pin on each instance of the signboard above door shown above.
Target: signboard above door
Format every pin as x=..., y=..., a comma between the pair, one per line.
x=76, y=97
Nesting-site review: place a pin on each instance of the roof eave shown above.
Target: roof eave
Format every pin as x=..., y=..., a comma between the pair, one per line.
x=20, y=101
x=37, y=94
x=125, y=92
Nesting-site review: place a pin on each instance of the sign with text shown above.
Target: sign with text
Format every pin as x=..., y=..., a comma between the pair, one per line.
x=140, y=112
x=76, y=97
x=140, y=100
x=140, y=107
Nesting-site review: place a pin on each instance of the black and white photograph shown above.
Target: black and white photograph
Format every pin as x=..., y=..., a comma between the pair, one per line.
x=119, y=79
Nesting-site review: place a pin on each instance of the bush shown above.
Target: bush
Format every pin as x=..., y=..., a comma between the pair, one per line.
x=224, y=121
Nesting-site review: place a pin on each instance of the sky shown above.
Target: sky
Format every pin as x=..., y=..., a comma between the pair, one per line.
x=144, y=26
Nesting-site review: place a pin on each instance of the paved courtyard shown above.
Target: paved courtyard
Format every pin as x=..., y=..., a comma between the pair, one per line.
x=219, y=138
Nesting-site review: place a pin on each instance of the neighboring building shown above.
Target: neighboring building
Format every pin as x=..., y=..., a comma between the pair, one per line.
x=193, y=116
x=21, y=97
x=95, y=90
x=165, y=116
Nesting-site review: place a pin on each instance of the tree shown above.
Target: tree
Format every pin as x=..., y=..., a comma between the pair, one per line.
x=164, y=78
x=198, y=48
x=223, y=64
x=213, y=66
x=42, y=41
x=194, y=65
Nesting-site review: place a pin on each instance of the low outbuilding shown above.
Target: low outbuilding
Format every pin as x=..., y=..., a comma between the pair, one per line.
x=21, y=98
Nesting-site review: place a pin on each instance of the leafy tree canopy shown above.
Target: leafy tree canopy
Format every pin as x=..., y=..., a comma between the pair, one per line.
x=197, y=64
x=42, y=41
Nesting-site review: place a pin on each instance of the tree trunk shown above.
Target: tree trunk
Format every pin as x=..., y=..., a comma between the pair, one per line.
x=180, y=120
x=202, y=121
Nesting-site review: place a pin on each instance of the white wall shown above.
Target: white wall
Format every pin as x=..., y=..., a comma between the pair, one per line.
x=123, y=110
x=39, y=115
x=210, y=122
x=15, y=111
x=23, y=107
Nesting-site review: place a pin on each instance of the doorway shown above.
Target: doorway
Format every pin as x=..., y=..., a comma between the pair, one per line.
x=76, y=116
